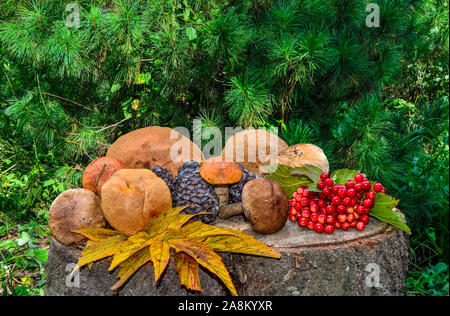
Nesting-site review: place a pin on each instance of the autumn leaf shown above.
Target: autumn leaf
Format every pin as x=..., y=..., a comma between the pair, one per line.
x=193, y=241
x=131, y=265
x=100, y=249
x=98, y=233
x=130, y=247
x=160, y=253
x=207, y=258
x=187, y=269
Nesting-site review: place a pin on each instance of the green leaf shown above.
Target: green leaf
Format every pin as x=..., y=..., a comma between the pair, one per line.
x=283, y=175
x=384, y=211
x=143, y=78
x=341, y=176
x=191, y=33
x=115, y=87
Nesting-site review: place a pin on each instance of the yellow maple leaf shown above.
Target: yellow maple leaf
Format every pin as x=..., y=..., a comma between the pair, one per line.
x=194, y=242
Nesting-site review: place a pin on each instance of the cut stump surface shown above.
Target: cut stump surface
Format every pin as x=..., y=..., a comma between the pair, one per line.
x=372, y=262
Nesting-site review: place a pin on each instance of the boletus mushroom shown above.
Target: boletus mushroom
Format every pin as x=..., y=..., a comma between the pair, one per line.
x=264, y=204
x=220, y=173
x=73, y=210
x=132, y=197
x=99, y=171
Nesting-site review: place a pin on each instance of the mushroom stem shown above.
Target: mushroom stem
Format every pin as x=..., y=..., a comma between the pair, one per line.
x=229, y=210
x=223, y=194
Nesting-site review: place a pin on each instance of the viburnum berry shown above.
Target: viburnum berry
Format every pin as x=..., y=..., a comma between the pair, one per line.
x=370, y=195
x=330, y=209
x=326, y=191
x=377, y=187
x=321, y=203
x=329, y=182
x=303, y=222
x=366, y=185
x=342, y=193
x=322, y=219
x=331, y=219
x=383, y=190
x=335, y=189
x=298, y=206
x=318, y=227
x=345, y=226
x=360, y=226
x=310, y=225
x=314, y=217
x=300, y=190
x=321, y=184
x=360, y=209
x=337, y=225
x=351, y=192
x=365, y=218
x=346, y=201
x=350, y=210
x=292, y=218
x=324, y=176
x=352, y=224
x=291, y=202
x=306, y=213
x=342, y=218
x=298, y=215
x=304, y=201
x=329, y=229
x=341, y=209
x=349, y=184
x=314, y=208
x=336, y=200
x=350, y=218
x=359, y=177
x=368, y=203
x=292, y=211
x=323, y=211
x=358, y=187
x=353, y=201
x=306, y=193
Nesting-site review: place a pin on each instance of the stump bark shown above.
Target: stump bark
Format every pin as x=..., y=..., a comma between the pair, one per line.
x=372, y=262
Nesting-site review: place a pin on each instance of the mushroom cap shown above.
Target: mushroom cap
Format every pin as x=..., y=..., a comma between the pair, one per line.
x=132, y=197
x=265, y=205
x=243, y=147
x=300, y=155
x=99, y=171
x=147, y=147
x=220, y=171
x=73, y=210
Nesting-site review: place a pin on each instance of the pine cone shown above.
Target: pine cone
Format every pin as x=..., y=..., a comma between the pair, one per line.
x=236, y=189
x=191, y=189
x=165, y=175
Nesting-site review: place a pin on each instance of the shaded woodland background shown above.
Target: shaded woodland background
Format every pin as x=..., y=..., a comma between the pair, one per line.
x=374, y=99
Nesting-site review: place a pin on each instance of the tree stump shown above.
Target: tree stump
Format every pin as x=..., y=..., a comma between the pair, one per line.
x=372, y=262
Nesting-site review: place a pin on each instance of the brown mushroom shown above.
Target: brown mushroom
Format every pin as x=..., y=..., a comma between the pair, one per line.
x=73, y=210
x=132, y=197
x=147, y=147
x=99, y=171
x=304, y=154
x=220, y=173
x=243, y=147
x=264, y=204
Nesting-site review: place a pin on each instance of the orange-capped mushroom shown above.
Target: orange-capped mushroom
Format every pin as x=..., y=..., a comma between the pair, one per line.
x=220, y=172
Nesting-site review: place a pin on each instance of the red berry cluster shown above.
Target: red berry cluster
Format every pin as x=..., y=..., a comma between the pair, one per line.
x=337, y=206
